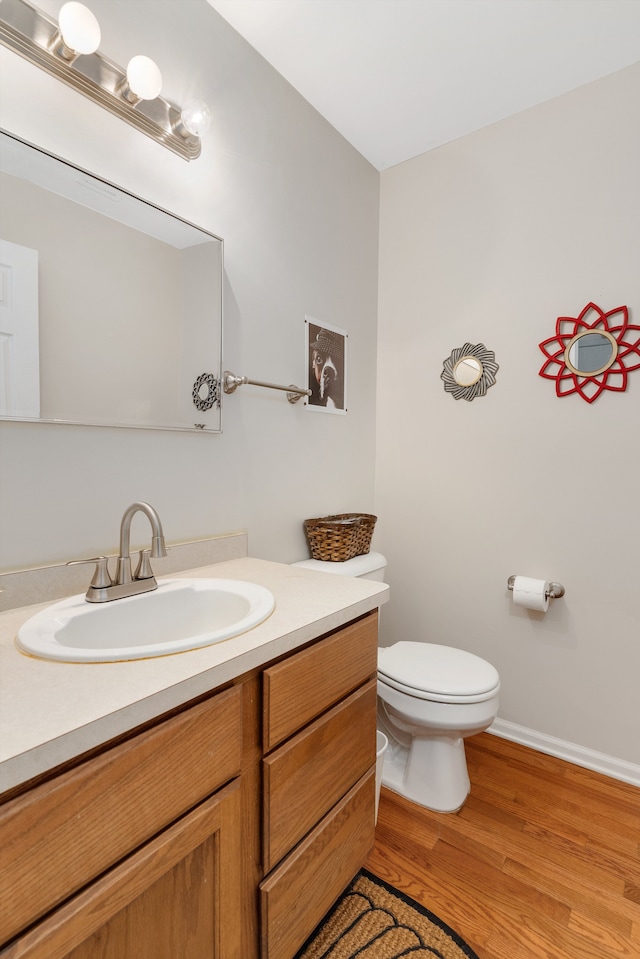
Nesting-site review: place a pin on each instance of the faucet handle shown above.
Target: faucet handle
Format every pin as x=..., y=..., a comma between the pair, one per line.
x=101, y=577
x=143, y=569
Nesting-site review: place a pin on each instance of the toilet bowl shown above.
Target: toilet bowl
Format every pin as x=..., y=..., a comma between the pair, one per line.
x=430, y=699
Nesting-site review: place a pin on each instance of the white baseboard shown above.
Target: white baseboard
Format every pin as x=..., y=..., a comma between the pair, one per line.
x=579, y=755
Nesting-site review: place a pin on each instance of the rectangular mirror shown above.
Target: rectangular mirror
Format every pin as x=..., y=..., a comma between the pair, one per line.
x=110, y=308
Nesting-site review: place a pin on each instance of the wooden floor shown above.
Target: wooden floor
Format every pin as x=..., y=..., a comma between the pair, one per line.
x=543, y=859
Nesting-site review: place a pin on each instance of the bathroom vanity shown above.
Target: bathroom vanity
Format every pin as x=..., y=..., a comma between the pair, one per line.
x=221, y=803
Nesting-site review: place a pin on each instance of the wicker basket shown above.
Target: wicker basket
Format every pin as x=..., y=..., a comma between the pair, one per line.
x=335, y=539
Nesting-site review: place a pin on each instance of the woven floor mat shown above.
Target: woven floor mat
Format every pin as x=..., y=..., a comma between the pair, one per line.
x=372, y=920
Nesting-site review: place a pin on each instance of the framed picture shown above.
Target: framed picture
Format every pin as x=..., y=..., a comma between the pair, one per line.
x=326, y=358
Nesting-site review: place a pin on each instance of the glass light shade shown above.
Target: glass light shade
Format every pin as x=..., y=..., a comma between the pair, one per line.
x=79, y=28
x=144, y=78
x=196, y=117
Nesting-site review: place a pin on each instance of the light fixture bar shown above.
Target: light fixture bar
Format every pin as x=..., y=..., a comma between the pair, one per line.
x=30, y=33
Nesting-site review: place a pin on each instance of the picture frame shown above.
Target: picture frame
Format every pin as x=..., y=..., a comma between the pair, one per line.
x=326, y=365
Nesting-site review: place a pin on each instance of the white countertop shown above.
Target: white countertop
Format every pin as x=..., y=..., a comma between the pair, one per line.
x=51, y=712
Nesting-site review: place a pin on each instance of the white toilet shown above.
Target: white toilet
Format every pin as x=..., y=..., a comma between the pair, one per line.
x=430, y=698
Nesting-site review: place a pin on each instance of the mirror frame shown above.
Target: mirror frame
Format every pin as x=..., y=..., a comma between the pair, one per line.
x=212, y=378
x=486, y=378
x=613, y=325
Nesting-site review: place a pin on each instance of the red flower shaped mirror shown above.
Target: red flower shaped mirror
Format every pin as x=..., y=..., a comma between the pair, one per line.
x=592, y=352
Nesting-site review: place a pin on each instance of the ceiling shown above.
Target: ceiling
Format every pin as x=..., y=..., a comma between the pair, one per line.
x=400, y=77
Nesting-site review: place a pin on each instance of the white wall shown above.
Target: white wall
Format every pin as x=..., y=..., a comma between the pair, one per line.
x=83, y=325
x=298, y=210
x=489, y=239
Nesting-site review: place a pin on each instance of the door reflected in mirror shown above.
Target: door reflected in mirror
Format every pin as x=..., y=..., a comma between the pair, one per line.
x=590, y=353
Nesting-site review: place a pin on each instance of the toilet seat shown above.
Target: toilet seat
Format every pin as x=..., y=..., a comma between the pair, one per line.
x=442, y=674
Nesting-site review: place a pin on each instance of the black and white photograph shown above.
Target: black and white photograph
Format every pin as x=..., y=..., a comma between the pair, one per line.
x=326, y=352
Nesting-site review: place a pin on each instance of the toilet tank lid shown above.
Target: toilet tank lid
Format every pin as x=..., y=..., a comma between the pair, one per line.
x=358, y=566
x=444, y=670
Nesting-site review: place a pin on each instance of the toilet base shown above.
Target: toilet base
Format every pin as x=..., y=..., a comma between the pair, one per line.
x=432, y=771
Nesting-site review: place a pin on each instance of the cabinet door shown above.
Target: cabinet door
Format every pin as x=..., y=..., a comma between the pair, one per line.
x=296, y=895
x=179, y=895
x=63, y=834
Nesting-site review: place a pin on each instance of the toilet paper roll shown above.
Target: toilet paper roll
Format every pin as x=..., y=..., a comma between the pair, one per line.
x=531, y=593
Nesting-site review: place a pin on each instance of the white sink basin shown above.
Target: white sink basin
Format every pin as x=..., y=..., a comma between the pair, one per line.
x=180, y=614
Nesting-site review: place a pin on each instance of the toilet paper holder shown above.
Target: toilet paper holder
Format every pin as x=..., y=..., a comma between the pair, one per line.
x=555, y=591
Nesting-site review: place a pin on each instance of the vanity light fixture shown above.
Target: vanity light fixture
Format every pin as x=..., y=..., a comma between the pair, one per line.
x=143, y=80
x=68, y=50
x=196, y=117
x=78, y=32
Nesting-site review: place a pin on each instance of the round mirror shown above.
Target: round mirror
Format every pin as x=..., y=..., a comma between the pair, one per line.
x=590, y=353
x=467, y=371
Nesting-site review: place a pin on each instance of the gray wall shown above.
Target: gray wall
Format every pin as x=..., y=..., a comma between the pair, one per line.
x=298, y=210
x=488, y=240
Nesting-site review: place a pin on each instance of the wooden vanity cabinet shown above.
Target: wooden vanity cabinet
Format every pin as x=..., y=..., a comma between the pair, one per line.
x=318, y=781
x=134, y=852
x=223, y=832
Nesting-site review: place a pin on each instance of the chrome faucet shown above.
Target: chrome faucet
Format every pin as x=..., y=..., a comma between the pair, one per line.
x=103, y=589
x=123, y=569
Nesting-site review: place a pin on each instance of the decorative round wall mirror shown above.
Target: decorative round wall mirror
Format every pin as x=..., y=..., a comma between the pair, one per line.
x=592, y=352
x=469, y=371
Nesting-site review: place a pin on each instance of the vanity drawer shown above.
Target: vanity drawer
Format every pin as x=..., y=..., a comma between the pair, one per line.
x=70, y=829
x=298, y=689
x=306, y=777
x=296, y=896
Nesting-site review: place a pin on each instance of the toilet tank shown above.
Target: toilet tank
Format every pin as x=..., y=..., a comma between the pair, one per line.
x=367, y=566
